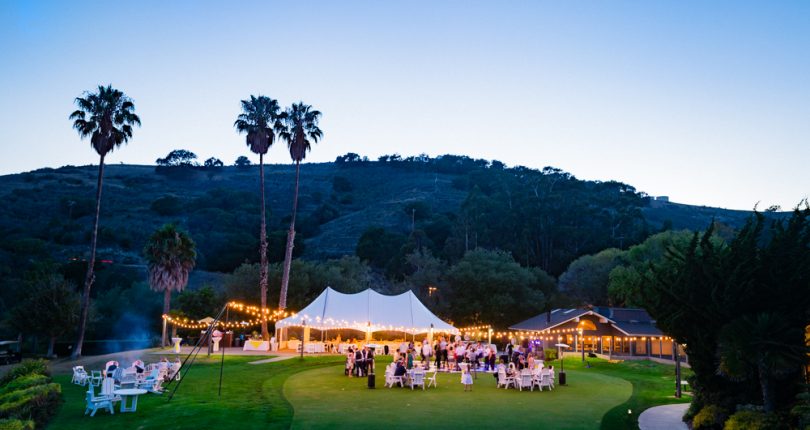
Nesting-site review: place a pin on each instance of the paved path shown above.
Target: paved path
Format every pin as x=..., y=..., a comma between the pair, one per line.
x=667, y=417
x=274, y=359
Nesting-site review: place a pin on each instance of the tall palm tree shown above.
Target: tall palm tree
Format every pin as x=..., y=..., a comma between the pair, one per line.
x=171, y=255
x=107, y=117
x=260, y=120
x=300, y=132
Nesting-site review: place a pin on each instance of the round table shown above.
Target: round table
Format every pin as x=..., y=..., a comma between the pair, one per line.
x=129, y=393
x=176, y=341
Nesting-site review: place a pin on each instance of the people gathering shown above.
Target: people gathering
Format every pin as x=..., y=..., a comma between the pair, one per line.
x=448, y=354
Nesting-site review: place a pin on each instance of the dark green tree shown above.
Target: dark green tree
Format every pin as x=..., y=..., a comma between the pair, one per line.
x=106, y=117
x=490, y=287
x=741, y=310
x=50, y=308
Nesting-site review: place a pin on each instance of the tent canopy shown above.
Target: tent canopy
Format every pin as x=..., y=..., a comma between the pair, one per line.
x=367, y=311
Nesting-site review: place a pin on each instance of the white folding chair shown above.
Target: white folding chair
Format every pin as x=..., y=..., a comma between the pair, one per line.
x=432, y=379
x=95, y=378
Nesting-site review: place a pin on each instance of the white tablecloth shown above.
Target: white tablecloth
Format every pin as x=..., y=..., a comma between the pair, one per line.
x=256, y=345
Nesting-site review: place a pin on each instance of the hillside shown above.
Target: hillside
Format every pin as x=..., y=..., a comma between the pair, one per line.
x=48, y=212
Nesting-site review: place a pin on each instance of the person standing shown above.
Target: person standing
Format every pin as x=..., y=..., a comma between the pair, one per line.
x=426, y=351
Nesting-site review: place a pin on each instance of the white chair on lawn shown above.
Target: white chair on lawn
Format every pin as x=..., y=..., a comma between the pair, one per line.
x=152, y=382
x=79, y=375
x=418, y=378
x=94, y=403
x=95, y=378
x=108, y=388
x=551, y=376
x=390, y=379
x=545, y=379
x=505, y=381
x=432, y=379
x=524, y=380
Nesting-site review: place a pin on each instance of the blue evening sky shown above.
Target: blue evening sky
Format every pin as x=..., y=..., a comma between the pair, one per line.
x=707, y=102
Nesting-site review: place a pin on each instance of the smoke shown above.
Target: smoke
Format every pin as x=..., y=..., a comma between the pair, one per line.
x=131, y=331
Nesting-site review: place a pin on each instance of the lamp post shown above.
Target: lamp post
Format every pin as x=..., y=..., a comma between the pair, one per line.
x=303, y=338
x=582, y=339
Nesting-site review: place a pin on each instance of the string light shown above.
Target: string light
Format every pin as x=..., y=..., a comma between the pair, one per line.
x=258, y=315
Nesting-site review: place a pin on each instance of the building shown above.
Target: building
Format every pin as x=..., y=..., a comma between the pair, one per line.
x=605, y=331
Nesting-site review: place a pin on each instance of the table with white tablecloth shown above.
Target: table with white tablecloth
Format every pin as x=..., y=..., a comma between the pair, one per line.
x=256, y=345
x=309, y=347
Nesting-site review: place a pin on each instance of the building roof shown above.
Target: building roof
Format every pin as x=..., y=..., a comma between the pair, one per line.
x=631, y=322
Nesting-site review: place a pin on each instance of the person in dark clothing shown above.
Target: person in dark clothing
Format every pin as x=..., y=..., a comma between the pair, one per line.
x=385, y=349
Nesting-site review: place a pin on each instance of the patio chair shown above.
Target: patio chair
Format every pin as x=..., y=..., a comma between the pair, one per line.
x=107, y=390
x=552, y=377
x=524, y=380
x=545, y=379
x=79, y=376
x=390, y=379
x=504, y=380
x=152, y=382
x=432, y=379
x=95, y=378
x=94, y=403
x=418, y=378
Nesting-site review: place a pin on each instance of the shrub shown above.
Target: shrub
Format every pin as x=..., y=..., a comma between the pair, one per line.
x=27, y=367
x=710, y=417
x=754, y=420
x=550, y=354
x=16, y=425
x=24, y=382
x=39, y=403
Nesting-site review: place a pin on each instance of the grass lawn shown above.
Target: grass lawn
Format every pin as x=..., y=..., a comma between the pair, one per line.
x=313, y=393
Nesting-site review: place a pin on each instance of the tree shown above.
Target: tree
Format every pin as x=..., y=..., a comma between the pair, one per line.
x=178, y=157
x=51, y=308
x=242, y=161
x=213, y=162
x=107, y=117
x=490, y=287
x=300, y=132
x=170, y=254
x=260, y=120
x=740, y=308
x=587, y=277
x=626, y=279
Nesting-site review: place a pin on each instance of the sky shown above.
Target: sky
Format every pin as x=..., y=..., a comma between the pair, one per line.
x=705, y=102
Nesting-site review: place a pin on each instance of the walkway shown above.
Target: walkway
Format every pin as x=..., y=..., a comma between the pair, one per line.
x=667, y=417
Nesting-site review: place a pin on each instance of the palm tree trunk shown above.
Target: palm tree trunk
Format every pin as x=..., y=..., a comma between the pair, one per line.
x=285, y=278
x=90, y=277
x=263, y=252
x=766, y=385
x=51, y=344
x=167, y=300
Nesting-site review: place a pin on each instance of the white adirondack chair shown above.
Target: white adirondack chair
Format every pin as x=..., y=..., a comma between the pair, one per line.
x=79, y=376
x=94, y=403
x=524, y=380
x=505, y=381
x=418, y=378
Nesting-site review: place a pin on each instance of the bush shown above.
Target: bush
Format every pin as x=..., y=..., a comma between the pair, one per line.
x=27, y=367
x=550, y=354
x=710, y=417
x=39, y=403
x=16, y=425
x=24, y=382
x=754, y=420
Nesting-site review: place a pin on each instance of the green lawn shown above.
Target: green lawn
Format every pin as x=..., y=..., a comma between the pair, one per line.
x=265, y=396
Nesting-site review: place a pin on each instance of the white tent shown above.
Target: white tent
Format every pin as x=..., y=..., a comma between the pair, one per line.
x=367, y=311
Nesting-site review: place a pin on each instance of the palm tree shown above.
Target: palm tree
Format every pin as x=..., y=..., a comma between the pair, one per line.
x=107, y=117
x=260, y=119
x=300, y=132
x=171, y=255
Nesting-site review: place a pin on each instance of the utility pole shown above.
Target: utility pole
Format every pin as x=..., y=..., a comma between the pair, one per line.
x=677, y=370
